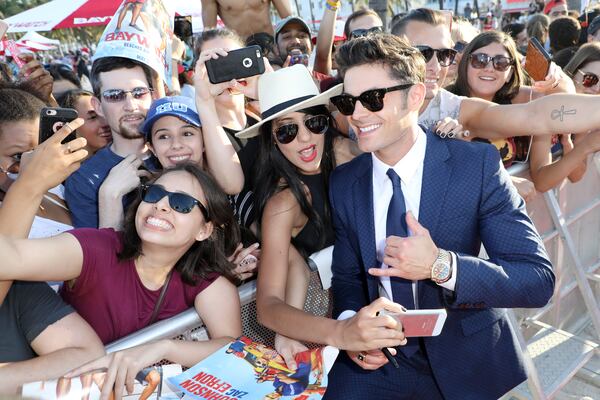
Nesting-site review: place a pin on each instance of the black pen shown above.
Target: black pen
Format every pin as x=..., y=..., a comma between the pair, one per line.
x=388, y=355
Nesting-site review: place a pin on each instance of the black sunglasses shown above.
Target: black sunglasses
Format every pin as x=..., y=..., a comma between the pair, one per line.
x=481, y=60
x=364, y=32
x=372, y=99
x=180, y=202
x=589, y=79
x=444, y=56
x=316, y=124
x=117, y=95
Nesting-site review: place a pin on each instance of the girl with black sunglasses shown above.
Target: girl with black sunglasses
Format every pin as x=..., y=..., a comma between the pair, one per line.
x=490, y=69
x=169, y=257
x=299, y=148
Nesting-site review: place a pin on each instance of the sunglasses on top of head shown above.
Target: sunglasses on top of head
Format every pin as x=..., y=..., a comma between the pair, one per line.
x=588, y=79
x=444, y=56
x=372, y=99
x=181, y=202
x=482, y=60
x=118, y=95
x=364, y=32
x=315, y=123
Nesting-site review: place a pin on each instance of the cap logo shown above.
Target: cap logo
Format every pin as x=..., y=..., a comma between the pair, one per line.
x=171, y=107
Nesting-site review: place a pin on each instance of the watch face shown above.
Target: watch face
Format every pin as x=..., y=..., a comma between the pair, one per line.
x=441, y=271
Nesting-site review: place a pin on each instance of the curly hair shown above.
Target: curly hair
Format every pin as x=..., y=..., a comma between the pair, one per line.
x=19, y=102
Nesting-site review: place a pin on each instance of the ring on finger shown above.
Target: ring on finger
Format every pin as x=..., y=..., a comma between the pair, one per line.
x=360, y=357
x=68, y=147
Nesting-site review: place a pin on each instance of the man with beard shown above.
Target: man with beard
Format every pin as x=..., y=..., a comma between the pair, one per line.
x=122, y=96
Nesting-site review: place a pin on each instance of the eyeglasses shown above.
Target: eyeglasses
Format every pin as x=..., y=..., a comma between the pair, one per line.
x=316, y=124
x=372, y=99
x=589, y=79
x=118, y=95
x=15, y=166
x=444, y=56
x=364, y=32
x=180, y=202
x=481, y=60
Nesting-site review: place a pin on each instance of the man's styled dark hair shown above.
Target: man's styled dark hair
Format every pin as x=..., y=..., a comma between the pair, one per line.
x=511, y=88
x=404, y=62
x=587, y=53
x=203, y=257
x=564, y=32
x=107, y=64
x=424, y=15
x=18, y=102
x=357, y=14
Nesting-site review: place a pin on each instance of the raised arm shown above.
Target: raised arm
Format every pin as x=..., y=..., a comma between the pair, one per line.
x=575, y=113
x=283, y=8
x=325, y=39
x=209, y=14
x=222, y=160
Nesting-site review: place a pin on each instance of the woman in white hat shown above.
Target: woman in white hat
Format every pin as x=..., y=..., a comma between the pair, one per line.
x=299, y=148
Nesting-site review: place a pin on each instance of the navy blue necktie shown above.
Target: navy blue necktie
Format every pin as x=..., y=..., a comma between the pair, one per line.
x=396, y=226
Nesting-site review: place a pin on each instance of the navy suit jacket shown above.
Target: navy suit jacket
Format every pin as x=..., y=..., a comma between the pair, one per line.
x=467, y=200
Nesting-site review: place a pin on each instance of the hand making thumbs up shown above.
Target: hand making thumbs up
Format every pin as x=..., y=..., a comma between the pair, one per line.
x=409, y=257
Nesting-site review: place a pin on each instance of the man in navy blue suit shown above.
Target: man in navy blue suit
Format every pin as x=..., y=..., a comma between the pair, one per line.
x=410, y=217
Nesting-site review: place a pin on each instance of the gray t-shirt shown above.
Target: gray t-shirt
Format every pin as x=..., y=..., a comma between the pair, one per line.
x=444, y=104
x=28, y=309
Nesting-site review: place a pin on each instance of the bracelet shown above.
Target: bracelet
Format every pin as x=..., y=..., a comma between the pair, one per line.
x=333, y=5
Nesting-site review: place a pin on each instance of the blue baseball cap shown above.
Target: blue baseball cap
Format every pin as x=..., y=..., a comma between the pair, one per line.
x=181, y=107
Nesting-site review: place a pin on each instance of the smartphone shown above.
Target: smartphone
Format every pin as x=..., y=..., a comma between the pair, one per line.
x=537, y=60
x=182, y=28
x=238, y=64
x=297, y=57
x=417, y=323
x=52, y=119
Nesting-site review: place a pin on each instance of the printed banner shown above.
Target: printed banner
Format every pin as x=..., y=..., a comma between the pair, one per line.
x=141, y=30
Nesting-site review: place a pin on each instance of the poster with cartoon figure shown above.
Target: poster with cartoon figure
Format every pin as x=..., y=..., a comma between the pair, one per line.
x=247, y=370
x=141, y=30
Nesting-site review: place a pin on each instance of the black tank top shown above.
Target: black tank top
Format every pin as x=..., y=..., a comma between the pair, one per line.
x=308, y=240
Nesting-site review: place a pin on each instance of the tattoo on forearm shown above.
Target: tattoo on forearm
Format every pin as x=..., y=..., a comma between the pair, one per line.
x=560, y=114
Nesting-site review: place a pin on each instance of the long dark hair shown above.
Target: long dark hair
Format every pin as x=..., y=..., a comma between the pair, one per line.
x=203, y=257
x=277, y=173
x=511, y=88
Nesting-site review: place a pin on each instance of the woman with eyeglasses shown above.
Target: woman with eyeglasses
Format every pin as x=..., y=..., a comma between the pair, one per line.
x=169, y=257
x=299, y=148
x=490, y=69
x=584, y=69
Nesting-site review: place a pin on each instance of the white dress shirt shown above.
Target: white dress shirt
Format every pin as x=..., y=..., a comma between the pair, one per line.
x=410, y=171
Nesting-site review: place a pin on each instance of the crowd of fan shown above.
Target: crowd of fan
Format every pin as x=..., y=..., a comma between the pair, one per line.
x=162, y=201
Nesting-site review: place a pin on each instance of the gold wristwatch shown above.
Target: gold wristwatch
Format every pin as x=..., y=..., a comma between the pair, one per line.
x=441, y=270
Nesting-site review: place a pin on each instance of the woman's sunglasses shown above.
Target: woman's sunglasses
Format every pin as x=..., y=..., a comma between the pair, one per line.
x=481, y=60
x=589, y=79
x=15, y=166
x=118, y=95
x=364, y=32
x=180, y=202
x=372, y=99
x=444, y=56
x=316, y=124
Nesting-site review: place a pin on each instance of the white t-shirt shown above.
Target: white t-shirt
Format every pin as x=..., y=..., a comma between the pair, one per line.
x=444, y=104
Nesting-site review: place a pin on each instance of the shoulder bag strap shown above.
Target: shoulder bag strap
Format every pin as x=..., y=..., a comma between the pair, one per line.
x=161, y=298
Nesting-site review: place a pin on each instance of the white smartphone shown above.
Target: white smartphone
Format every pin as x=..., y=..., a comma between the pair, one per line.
x=417, y=323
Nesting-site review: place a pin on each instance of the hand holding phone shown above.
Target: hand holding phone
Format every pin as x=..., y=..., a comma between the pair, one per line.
x=52, y=119
x=297, y=57
x=537, y=60
x=418, y=323
x=238, y=64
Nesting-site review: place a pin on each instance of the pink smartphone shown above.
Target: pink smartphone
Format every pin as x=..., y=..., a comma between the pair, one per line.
x=417, y=323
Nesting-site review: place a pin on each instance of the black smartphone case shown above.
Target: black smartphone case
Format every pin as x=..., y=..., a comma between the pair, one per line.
x=537, y=60
x=52, y=119
x=238, y=64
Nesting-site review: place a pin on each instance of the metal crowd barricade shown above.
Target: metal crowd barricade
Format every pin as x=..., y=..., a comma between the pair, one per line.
x=552, y=338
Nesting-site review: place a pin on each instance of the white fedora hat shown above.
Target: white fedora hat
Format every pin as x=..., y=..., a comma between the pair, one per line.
x=284, y=91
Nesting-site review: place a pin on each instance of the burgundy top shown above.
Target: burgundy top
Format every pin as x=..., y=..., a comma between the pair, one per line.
x=109, y=294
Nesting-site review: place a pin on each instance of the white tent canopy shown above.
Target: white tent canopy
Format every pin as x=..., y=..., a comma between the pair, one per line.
x=44, y=17
x=36, y=37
